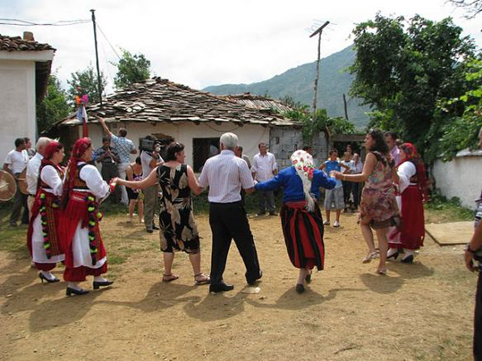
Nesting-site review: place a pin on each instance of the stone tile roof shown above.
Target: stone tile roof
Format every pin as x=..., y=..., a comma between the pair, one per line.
x=258, y=102
x=160, y=100
x=16, y=43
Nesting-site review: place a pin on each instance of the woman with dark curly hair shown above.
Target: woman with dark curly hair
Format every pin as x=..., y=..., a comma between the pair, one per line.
x=413, y=192
x=178, y=231
x=378, y=208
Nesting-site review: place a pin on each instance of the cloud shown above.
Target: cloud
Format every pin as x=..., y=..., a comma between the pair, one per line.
x=201, y=43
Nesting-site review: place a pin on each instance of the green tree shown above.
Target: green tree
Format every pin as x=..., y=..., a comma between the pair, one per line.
x=404, y=68
x=466, y=111
x=54, y=106
x=131, y=69
x=85, y=82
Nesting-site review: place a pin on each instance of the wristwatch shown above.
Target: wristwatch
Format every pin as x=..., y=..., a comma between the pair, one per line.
x=467, y=248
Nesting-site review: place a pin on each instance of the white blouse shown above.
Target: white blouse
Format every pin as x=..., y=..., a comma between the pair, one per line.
x=50, y=176
x=405, y=171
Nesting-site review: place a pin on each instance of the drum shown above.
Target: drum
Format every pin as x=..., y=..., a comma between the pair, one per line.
x=8, y=186
x=22, y=182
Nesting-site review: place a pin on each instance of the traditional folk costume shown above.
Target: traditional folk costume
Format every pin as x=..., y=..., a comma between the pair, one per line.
x=301, y=218
x=84, y=188
x=43, y=241
x=410, y=198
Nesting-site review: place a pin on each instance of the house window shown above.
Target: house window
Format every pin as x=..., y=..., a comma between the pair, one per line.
x=202, y=149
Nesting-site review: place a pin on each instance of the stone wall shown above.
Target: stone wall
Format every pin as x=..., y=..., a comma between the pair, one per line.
x=284, y=141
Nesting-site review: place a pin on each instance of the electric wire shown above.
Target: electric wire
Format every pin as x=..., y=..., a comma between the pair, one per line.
x=105, y=37
x=19, y=22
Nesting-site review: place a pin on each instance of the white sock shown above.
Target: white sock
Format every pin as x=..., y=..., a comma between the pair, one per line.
x=408, y=252
x=74, y=285
x=99, y=279
x=48, y=275
x=391, y=252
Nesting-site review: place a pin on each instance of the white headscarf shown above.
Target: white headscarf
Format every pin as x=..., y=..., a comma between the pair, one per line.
x=303, y=163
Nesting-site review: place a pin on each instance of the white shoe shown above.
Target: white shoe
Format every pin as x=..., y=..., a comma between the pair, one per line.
x=336, y=224
x=326, y=223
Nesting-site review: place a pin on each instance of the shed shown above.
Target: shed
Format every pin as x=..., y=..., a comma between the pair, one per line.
x=168, y=111
x=25, y=68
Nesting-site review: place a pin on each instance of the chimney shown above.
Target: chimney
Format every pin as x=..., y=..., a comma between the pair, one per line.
x=28, y=35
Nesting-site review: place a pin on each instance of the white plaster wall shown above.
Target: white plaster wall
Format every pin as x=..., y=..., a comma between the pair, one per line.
x=17, y=103
x=249, y=135
x=461, y=178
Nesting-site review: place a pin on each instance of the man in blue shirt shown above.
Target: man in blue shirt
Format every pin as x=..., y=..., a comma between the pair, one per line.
x=334, y=197
x=125, y=147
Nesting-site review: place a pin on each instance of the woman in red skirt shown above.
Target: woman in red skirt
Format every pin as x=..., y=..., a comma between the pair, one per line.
x=42, y=237
x=300, y=215
x=412, y=194
x=79, y=230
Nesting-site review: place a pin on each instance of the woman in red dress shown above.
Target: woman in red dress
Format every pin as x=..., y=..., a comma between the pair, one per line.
x=42, y=237
x=79, y=231
x=413, y=192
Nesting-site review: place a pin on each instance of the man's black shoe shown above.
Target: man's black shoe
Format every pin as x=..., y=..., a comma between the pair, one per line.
x=256, y=279
x=149, y=230
x=220, y=287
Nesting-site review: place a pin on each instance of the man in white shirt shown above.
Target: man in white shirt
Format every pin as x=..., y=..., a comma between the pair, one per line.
x=226, y=174
x=149, y=161
x=15, y=162
x=264, y=167
x=391, y=138
x=28, y=148
x=33, y=167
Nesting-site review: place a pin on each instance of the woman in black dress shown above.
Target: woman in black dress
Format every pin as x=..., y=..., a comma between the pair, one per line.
x=178, y=230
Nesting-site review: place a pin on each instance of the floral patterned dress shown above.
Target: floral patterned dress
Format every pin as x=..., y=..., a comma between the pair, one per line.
x=176, y=220
x=378, y=196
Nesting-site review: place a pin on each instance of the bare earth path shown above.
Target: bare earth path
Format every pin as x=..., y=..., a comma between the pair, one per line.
x=422, y=311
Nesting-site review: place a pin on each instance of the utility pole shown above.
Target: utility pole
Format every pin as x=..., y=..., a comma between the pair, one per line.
x=317, y=74
x=345, y=106
x=99, y=83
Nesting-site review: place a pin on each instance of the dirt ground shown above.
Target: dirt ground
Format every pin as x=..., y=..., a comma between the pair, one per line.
x=422, y=311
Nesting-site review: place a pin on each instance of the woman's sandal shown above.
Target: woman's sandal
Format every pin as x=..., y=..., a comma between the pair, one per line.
x=169, y=278
x=382, y=271
x=369, y=258
x=201, y=279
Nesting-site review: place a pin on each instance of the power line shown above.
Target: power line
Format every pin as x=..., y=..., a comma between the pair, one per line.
x=108, y=42
x=18, y=22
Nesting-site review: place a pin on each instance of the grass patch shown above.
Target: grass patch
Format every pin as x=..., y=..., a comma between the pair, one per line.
x=115, y=259
x=442, y=210
x=13, y=240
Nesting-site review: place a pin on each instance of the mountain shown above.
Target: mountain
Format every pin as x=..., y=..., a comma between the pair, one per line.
x=298, y=83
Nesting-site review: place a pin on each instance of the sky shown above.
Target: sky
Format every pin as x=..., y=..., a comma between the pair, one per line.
x=208, y=42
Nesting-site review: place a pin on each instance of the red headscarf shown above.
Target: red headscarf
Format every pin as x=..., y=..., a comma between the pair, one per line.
x=50, y=150
x=412, y=156
x=80, y=147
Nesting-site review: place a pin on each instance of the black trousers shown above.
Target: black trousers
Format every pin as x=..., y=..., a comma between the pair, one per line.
x=347, y=188
x=355, y=188
x=19, y=202
x=229, y=221
x=108, y=172
x=478, y=320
